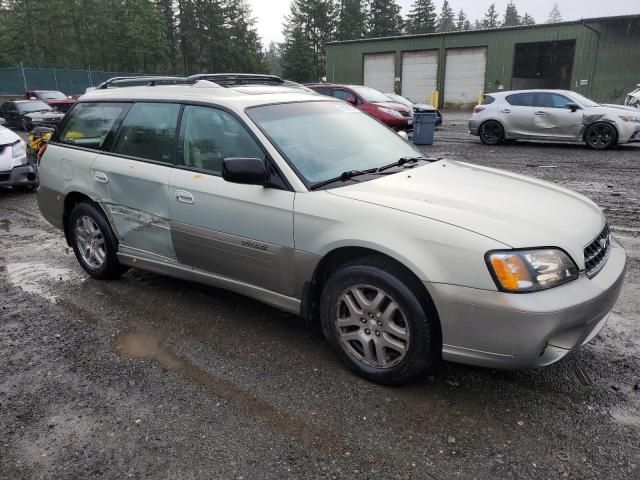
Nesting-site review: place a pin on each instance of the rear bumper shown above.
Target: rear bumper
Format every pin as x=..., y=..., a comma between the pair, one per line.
x=474, y=127
x=22, y=176
x=502, y=330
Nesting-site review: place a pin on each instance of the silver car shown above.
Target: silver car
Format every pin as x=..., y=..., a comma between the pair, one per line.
x=553, y=115
x=307, y=204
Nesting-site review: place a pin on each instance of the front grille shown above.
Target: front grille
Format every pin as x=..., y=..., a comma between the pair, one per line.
x=597, y=253
x=4, y=177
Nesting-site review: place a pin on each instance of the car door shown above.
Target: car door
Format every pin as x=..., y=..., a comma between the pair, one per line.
x=240, y=232
x=552, y=118
x=516, y=112
x=132, y=179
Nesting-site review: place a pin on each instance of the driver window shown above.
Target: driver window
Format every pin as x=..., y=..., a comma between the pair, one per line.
x=209, y=135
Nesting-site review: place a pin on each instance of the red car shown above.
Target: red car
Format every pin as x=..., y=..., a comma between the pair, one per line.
x=371, y=101
x=55, y=99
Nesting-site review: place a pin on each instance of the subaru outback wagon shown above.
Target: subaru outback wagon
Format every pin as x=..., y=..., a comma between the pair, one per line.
x=307, y=204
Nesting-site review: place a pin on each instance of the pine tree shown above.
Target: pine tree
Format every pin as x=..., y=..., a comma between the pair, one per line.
x=383, y=18
x=528, y=20
x=477, y=25
x=462, y=22
x=511, y=17
x=447, y=18
x=555, y=16
x=422, y=17
x=245, y=46
x=351, y=20
x=273, y=59
x=491, y=17
x=297, y=55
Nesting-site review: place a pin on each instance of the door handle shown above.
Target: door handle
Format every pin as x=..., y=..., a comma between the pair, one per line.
x=101, y=177
x=506, y=110
x=540, y=114
x=184, y=197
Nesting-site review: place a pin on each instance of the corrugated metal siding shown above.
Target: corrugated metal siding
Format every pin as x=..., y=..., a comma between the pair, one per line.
x=610, y=64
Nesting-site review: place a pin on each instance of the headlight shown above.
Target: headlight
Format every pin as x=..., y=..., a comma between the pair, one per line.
x=19, y=153
x=629, y=118
x=390, y=111
x=531, y=270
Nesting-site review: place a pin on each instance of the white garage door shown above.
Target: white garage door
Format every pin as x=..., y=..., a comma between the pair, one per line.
x=419, y=74
x=380, y=71
x=464, y=76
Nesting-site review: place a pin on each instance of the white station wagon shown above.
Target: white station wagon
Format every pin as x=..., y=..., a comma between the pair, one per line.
x=305, y=203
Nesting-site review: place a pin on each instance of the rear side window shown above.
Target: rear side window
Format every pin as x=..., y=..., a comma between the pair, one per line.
x=521, y=99
x=209, y=135
x=91, y=124
x=149, y=131
x=323, y=90
x=488, y=100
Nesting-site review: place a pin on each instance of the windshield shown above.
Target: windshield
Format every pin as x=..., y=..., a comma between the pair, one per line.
x=323, y=139
x=52, y=96
x=584, y=101
x=33, y=106
x=371, y=95
x=400, y=99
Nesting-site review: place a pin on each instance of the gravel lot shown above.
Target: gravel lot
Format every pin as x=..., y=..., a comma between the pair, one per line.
x=150, y=377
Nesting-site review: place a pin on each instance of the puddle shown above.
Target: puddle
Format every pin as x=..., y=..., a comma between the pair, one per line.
x=4, y=224
x=39, y=278
x=145, y=345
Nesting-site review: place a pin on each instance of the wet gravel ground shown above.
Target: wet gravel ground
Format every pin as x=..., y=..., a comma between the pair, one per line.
x=150, y=377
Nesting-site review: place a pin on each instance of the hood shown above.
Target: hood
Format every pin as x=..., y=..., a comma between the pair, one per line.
x=515, y=210
x=395, y=106
x=43, y=115
x=612, y=109
x=7, y=136
x=65, y=101
x=424, y=106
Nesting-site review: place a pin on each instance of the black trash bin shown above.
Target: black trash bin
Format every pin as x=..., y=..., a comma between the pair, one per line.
x=424, y=125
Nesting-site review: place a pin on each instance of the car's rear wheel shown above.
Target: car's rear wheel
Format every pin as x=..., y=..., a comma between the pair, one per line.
x=94, y=243
x=601, y=136
x=372, y=313
x=491, y=133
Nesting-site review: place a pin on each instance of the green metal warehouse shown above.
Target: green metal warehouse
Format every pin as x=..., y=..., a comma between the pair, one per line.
x=599, y=58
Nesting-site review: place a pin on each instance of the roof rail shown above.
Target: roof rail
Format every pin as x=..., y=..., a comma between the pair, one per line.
x=237, y=79
x=149, y=81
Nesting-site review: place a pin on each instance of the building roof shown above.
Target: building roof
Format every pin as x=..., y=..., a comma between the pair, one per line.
x=497, y=29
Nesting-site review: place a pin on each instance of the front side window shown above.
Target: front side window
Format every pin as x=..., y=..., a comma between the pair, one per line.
x=209, y=135
x=90, y=124
x=551, y=100
x=342, y=94
x=323, y=139
x=149, y=131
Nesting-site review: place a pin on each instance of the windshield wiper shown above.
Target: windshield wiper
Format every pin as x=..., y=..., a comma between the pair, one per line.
x=344, y=176
x=401, y=162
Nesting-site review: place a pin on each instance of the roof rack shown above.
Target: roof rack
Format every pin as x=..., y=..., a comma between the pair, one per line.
x=148, y=81
x=237, y=79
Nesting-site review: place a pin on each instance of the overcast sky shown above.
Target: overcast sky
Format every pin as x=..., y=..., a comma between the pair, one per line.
x=270, y=13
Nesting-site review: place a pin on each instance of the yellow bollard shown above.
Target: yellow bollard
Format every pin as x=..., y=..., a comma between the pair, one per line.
x=434, y=98
x=480, y=97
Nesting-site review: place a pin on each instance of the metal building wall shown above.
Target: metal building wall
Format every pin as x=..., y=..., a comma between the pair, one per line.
x=607, y=55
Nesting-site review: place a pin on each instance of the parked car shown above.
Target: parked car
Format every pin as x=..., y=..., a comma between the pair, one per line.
x=417, y=107
x=307, y=204
x=633, y=99
x=371, y=101
x=26, y=114
x=54, y=98
x=553, y=115
x=15, y=169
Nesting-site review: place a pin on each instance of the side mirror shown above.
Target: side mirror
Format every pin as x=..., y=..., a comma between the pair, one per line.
x=248, y=171
x=572, y=106
x=32, y=98
x=352, y=100
x=69, y=96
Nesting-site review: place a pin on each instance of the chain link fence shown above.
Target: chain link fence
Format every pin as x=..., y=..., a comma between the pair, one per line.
x=16, y=81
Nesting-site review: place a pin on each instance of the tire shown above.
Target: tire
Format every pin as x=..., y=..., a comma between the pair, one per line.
x=491, y=133
x=351, y=325
x=89, y=227
x=601, y=136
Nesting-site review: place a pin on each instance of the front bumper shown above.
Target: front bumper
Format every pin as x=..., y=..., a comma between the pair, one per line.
x=22, y=176
x=506, y=330
x=397, y=123
x=629, y=132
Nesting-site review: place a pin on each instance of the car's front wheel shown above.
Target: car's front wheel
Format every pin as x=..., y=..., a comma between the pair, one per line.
x=94, y=243
x=491, y=133
x=372, y=313
x=601, y=136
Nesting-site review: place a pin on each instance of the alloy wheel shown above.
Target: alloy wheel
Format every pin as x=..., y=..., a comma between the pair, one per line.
x=90, y=242
x=600, y=136
x=372, y=326
x=492, y=133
